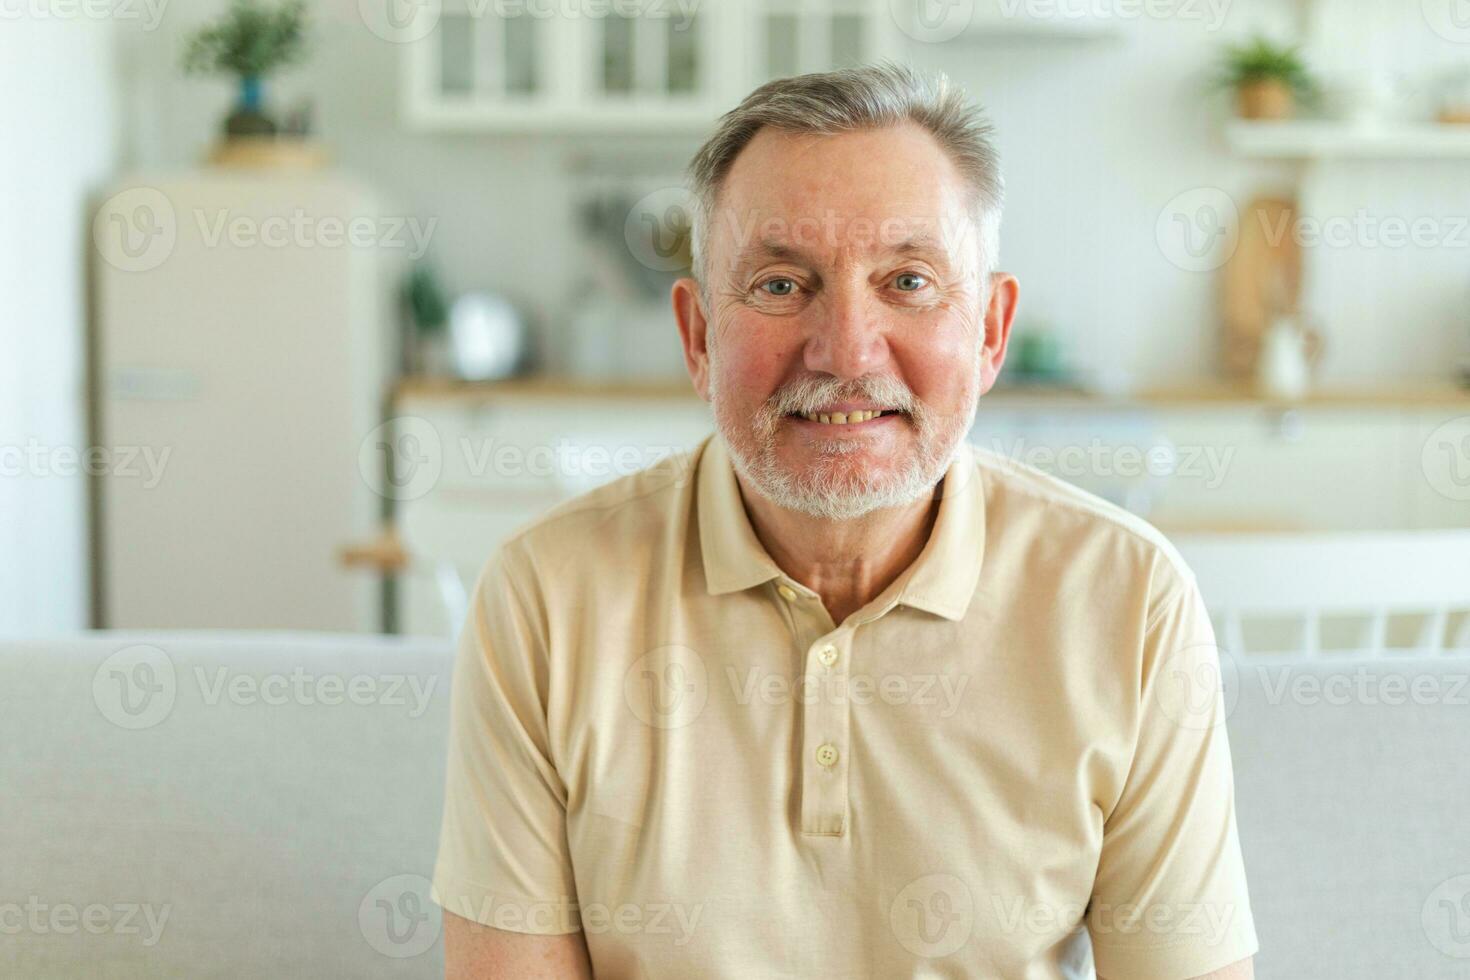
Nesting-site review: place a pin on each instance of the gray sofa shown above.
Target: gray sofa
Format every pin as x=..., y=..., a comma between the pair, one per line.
x=266, y=805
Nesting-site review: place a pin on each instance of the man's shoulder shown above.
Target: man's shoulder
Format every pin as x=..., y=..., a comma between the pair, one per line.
x=1024, y=496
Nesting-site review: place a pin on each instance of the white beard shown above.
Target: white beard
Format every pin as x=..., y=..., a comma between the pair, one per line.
x=826, y=489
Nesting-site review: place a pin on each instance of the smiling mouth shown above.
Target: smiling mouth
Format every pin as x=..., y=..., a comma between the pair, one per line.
x=843, y=418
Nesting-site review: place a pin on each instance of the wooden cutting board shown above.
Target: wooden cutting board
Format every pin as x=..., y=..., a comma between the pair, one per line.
x=1261, y=281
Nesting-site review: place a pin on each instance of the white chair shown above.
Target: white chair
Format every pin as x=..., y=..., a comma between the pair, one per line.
x=1311, y=579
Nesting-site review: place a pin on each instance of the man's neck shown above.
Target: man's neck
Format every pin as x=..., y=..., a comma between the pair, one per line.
x=848, y=563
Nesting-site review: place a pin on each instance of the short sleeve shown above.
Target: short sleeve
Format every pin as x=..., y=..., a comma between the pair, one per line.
x=503, y=858
x=1169, y=901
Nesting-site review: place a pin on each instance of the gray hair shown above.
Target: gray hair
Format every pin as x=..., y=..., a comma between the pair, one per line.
x=870, y=97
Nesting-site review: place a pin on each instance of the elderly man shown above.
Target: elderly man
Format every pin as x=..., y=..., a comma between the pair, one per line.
x=841, y=696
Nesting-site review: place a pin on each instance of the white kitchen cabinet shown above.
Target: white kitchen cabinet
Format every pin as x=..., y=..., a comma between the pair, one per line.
x=503, y=461
x=509, y=453
x=1438, y=443
x=537, y=67
x=1293, y=469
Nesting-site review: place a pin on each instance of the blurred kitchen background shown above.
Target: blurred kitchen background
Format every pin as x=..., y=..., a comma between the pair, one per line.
x=303, y=309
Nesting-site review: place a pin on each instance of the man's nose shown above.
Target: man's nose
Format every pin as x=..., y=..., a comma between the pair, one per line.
x=847, y=339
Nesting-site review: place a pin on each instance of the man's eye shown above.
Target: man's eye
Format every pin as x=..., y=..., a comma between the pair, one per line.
x=910, y=281
x=779, y=287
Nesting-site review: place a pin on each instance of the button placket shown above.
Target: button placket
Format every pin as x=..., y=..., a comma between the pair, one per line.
x=825, y=739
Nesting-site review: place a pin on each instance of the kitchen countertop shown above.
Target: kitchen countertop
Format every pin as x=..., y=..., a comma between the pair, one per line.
x=1204, y=394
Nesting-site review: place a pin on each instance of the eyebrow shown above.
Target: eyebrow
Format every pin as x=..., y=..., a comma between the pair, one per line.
x=775, y=248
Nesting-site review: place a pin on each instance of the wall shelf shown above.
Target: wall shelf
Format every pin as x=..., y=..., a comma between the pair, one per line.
x=1328, y=139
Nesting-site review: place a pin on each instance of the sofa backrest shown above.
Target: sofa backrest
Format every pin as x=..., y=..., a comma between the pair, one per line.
x=1352, y=788
x=222, y=804
x=240, y=805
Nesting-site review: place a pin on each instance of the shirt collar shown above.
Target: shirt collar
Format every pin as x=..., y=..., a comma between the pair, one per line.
x=942, y=579
x=734, y=558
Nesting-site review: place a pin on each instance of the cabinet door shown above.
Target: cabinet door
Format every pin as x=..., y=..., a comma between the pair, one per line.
x=1437, y=461
x=791, y=37
x=474, y=59
x=1305, y=469
x=498, y=464
x=663, y=59
x=613, y=67
x=489, y=57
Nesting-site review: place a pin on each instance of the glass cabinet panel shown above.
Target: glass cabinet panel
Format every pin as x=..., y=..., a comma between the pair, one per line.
x=456, y=55
x=783, y=45
x=627, y=66
x=617, y=54
x=521, y=37
x=814, y=35
x=849, y=42
x=683, y=40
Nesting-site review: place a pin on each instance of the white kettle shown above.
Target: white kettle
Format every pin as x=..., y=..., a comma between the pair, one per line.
x=1283, y=369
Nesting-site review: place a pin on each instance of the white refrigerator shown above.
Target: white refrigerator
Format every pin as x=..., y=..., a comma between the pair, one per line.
x=244, y=327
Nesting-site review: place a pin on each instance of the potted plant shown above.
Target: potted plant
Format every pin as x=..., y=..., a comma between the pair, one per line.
x=1268, y=79
x=428, y=314
x=253, y=39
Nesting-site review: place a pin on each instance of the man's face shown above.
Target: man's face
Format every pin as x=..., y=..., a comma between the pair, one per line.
x=846, y=334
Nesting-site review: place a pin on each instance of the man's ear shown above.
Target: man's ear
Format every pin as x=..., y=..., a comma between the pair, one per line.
x=1000, y=312
x=693, y=322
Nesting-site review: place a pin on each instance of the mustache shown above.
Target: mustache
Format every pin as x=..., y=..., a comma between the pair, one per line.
x=813, y=393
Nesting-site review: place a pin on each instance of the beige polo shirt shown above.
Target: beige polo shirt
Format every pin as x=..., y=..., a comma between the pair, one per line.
x=662, y=740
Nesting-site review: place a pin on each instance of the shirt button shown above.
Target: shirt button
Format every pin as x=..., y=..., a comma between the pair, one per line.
x=787, y=592
x=827, y=655
x=827, y=755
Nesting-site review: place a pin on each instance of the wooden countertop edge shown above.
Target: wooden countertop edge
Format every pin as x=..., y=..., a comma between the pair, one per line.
x=1204, y=394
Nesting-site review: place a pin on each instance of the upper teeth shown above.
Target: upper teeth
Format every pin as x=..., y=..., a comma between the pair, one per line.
x=839, y=418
